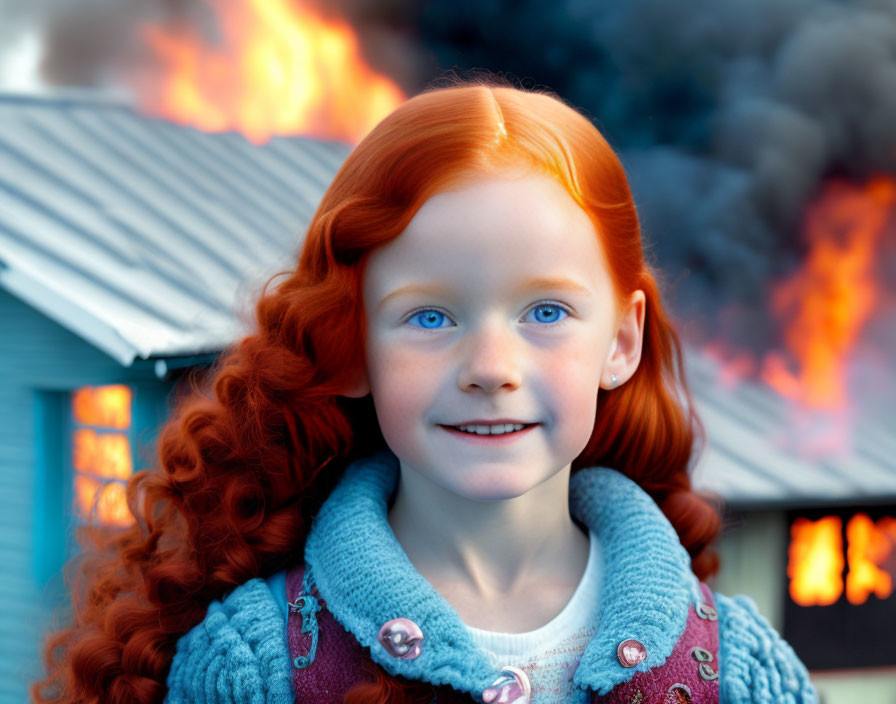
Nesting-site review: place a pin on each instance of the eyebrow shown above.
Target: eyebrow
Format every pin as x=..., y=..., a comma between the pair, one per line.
x=535, y=282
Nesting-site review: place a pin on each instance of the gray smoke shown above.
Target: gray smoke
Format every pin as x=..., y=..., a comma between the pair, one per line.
x=88, y=43
x=97, y=43
x=729, y=115
x=792, y=92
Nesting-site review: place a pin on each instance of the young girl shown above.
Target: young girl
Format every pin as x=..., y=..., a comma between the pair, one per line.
x=450, y=465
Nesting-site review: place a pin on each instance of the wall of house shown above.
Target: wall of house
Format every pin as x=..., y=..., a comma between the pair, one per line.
x=40, y=362
x=753, y=550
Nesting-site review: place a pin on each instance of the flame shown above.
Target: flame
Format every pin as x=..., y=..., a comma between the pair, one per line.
x=103, y=454
x=816, y=561
x=870, y=545
x=277, y=69
x=826, y=303
x=815, y=565
x=109, y=499
x=85, y=493
x=99, y=456
x=112, y=505
x=106, y=406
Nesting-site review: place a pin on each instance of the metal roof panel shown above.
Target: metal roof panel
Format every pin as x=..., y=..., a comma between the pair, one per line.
x=145, y=237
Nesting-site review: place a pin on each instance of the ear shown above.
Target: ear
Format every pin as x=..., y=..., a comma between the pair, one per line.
x=359, y=388
x=625, y=348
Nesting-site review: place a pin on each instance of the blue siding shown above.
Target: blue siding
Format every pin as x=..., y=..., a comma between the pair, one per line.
x=53, y=494
x=40, y=362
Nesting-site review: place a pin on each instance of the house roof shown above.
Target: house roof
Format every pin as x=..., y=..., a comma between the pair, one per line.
x=763, y=452
x=151, y=240
x=141, y=236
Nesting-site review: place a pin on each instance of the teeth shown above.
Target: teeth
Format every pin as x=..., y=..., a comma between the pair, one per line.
x=498, y=429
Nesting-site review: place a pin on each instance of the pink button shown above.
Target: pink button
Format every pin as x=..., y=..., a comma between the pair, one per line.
x=512, y=687
x=401, y=638
x=630, y=653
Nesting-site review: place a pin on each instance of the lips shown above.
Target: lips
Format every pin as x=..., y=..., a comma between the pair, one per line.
x=489, y=437
x=496, y=421
x=516, y=425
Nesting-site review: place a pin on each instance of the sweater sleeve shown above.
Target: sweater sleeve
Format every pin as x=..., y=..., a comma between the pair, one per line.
x=236, y=655
x=757, y=666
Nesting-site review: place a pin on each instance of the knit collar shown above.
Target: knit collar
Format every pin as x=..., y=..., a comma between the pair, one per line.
x=366, y=579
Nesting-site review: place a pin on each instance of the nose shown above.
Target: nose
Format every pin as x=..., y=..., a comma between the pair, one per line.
x=491, y=359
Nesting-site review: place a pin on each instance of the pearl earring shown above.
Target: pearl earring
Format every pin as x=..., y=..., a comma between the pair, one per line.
x=613, y=381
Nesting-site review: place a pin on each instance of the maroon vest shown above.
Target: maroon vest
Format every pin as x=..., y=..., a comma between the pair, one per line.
x=690, y=674
x=328, y=661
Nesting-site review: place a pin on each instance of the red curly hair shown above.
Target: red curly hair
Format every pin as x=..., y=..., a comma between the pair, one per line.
x=248, y=457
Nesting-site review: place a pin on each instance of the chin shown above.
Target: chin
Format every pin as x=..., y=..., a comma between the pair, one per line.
x=496, y=488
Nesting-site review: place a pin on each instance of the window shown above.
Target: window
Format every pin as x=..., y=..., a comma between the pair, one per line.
x=840, y=602
x=101, y=454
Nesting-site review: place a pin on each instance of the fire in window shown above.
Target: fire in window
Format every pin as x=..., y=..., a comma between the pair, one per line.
x=101, y=453
x=840, y=603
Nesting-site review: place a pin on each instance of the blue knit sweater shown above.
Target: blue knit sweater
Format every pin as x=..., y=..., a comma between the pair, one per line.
x=238, y=653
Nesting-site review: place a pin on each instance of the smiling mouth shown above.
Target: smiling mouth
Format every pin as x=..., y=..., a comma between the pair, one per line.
x=494, y=430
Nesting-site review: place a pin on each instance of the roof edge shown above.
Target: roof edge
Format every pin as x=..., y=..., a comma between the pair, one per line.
x=70, y=316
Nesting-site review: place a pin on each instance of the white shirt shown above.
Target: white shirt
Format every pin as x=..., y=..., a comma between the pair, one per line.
x=550, y=654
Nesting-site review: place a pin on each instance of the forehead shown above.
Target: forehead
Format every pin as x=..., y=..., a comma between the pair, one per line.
x=499, y=228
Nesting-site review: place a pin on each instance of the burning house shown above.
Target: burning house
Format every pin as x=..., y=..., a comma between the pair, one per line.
x=811, y=537
x=761, y=144
x=130, y=248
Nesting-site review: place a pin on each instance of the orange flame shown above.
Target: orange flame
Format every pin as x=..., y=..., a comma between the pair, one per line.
x=106, y=406
x=105, y=455
x=102, y=456
x=870, y=545
x=278, y=69
x=110, y=500
x=826, y=303
x=815, y=564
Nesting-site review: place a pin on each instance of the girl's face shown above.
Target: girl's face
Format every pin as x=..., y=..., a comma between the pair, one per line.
x=494, y=306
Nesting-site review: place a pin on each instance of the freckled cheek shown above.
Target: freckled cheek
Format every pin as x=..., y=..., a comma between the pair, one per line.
x=404, y=389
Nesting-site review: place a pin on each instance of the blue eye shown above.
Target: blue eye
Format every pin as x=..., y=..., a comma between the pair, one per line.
x=430, y=319
x=550, y=313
